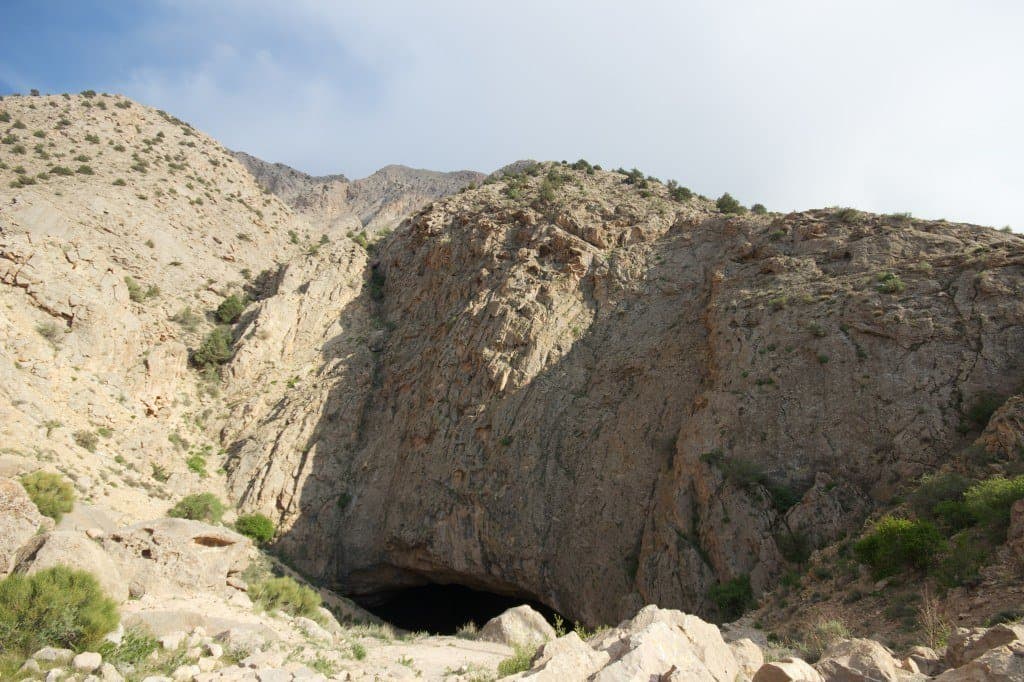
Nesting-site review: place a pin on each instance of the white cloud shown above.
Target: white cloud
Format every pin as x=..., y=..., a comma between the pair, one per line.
x=798, y=103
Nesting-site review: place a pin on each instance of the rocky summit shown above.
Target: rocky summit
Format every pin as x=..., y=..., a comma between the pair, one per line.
x=555, y=422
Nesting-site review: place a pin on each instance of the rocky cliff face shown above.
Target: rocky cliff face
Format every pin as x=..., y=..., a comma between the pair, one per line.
x=375, y=203
x=571, y=388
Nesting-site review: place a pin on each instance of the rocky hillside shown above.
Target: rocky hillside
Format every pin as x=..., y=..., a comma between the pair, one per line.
x=375, y=203
x=121, y=230
x=598, y=391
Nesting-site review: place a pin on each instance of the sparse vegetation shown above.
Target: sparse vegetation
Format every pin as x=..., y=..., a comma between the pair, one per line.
x=58, y=606
x=188, y=320
x=198, y=507
x=50, y=492
x=137, y=293
x=518, y=662
x=890, y=283
x=231, y=309
x=988, y=502
x=728, y=204
x=87, y=440
x=215, y=348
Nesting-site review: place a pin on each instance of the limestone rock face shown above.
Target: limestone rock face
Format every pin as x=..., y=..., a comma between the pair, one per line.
x=524, y=379
x=967, y=644
x=520, y=625
x=173, y=556
x=19, y=522
x=1001, y=664
x=788, y=670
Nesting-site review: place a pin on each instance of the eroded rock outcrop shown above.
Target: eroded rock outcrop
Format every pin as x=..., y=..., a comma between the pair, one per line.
x=597, y=396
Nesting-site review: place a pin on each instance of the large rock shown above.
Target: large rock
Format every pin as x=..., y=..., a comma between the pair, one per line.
x=1002, y=664
x=177, y=556
x=520, y=625
x=20, y=520
x=967, y=644
x=748, y=656
x=74, y=549
x=565, y=658
x=857, y=660
x=788, y=670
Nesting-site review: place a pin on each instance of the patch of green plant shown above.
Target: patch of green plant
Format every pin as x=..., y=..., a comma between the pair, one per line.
x=286, y=594
x=188, y=320
x=256, y=526
x=728, y=204
x=136, y=646
x=893, y=544
x=733, y=597
x=961, y=562
x=197, y=464
x=215, y=348
x=518, y=662
x=989, y=501
x=984, y=406
x=137, y=293
x=890, y=283
x=50, y=492
x=86, y=439
x=58, y=606
x=230, y=309
x=198, y=507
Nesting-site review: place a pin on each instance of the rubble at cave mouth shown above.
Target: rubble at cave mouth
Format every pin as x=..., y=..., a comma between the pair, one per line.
x=443, y=609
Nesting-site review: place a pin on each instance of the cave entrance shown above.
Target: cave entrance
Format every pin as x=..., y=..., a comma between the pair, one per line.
x=443, y=609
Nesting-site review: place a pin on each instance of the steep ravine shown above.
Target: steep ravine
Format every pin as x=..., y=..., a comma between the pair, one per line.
x=596, y=396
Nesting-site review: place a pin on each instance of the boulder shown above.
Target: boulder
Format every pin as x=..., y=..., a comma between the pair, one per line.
x=788, y=670
x=71, y=548
x=1002, y=664
x=19, y=522
x=86, y=662
x=50, y=654
x=520, y=625
x=748, y=655
x=927, y=660
x=565, y=658
x=177, y=556
x=656, y=651
x=967, y=644
x=857, y=660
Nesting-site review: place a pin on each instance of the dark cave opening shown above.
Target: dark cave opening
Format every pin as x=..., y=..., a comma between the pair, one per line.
x=443, y=609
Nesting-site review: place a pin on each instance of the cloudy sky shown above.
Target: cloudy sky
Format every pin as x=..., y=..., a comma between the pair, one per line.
x=895, y=105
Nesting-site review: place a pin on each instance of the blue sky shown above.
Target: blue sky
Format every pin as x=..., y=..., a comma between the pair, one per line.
x=890, y=106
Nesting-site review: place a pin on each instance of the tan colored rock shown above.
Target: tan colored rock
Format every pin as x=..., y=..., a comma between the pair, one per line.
x=567, y=657
x=75, y=549
x=857, y=660
x=1001, y=664
x=788, y=670
x=171, y=556
x=748, y=656
x=967, y=644
x=19, y=522
x=521, y=625
x=87, y=661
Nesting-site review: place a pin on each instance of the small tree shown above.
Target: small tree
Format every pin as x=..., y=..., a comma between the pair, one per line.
x=894, y=544
x=727, y=204
x=733, y=597
x=51, y=493
x=215, y=348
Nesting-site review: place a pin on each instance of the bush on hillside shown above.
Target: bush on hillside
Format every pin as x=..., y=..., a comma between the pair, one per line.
x=518, y=662
x=728, y=204
x=285, y=594
x=256, y=526
x=989, y=501
x=230, y=309
x=199, y=507
x=215, y=348
x=984, y=406
x=51, y=494
x=758, y=209
x=894, y=544
x=58, y=606
x=733, y=597
x=938, y=498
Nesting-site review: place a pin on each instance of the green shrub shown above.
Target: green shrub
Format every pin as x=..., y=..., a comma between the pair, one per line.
x=187, y=319
x=230, y=309
x=53, y=495
x=890, y=283
x=137, y=293
x=989, y=501
x=87, y=440
x=894, y=544
x=199, y=507
x=58, y=606
x=984, y=406
x=937, y=497
x=285, y=594
x=85, y=170
x=733, y=597
x=135, y=647
x=758, y=209
x=960, y=564
x=518, y=662
x=728, y=204
x=197, y=464
x=215, y=348
x=256, y=526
